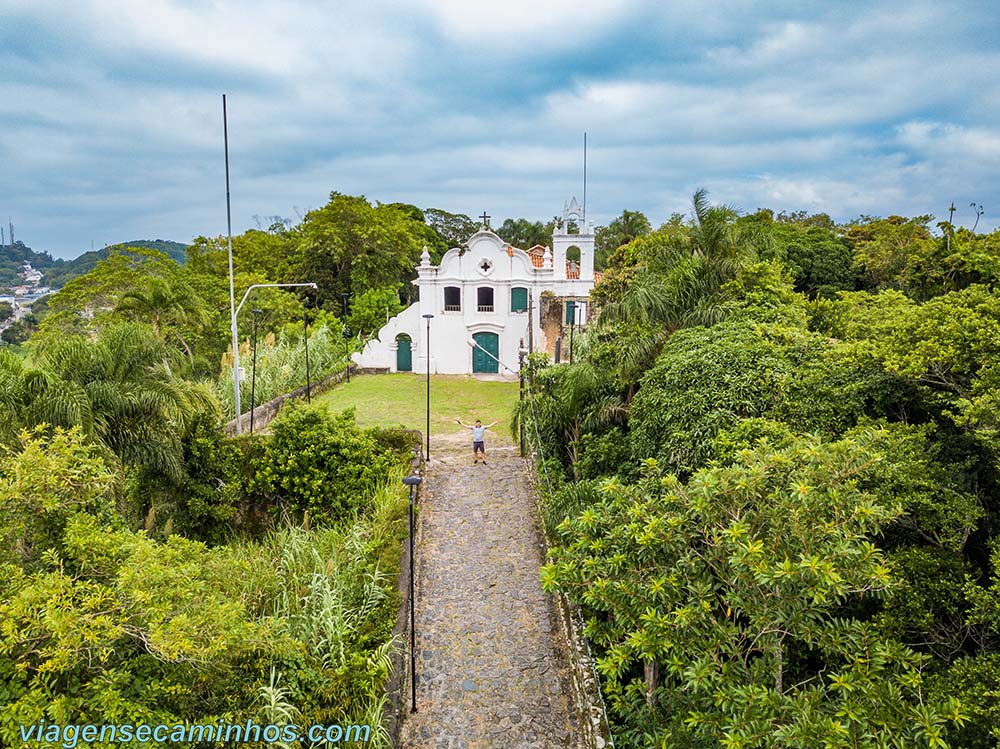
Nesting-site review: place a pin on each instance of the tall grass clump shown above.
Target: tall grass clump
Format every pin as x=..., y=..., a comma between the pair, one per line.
x=281, y=366
x=332, y=591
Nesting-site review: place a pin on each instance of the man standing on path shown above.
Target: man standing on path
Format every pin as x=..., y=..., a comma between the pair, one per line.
x=478, y=439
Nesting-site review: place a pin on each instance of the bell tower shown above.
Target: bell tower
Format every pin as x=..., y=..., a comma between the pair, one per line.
x=562, y=240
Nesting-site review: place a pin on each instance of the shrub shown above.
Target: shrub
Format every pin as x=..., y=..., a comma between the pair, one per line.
x=320, y=464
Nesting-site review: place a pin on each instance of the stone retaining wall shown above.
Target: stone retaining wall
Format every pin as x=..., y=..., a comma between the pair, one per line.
x=397, y=687
x=583, y=670
x=264, y=414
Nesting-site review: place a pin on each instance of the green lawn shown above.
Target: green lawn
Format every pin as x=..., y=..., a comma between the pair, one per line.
x=394, y=399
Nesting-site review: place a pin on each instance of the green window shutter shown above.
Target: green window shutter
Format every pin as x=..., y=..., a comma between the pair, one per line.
x=518, y=300
x=570, y=311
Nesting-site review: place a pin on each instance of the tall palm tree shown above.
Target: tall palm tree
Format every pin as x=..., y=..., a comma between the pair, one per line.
x=29, y=397
x=681, y=287
x=571, y=400
x=138, y=408
x=169, y=306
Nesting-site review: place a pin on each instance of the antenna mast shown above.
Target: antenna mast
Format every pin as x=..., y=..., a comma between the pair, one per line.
x=232, y=296
x=584, y=218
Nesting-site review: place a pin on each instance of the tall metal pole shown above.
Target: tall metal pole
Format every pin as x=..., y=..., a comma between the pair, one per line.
x=346, y=331
x=572, y=327
x=232, y=294
x=305, y=339
x=428, y=453
x=583, y=218
x=412, y=482
x=520, y=368
x=253, y=376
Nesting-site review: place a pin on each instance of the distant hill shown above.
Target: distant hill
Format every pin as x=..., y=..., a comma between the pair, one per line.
x=58, y=271
x=86, y=261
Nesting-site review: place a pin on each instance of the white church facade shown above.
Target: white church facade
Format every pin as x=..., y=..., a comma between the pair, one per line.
x=489, y=299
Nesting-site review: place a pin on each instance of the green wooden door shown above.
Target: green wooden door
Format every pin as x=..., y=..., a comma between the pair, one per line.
x=404, y=356
x=570, y=313
x=481, y=360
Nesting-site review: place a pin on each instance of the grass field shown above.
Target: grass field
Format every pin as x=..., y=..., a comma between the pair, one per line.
x=394, y=399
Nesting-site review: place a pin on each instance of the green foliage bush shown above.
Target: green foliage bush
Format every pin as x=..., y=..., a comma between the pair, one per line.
x=717, y=606
x=707, y=379
x=100, y=624
x=43, y=486
x=320, y=464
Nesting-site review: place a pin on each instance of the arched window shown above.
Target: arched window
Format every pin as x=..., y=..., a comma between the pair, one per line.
x=484, y=299
x=452, y=299
x=572, y=261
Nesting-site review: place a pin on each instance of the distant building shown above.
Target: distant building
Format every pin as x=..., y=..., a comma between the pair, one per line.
x=494, y=296
x=30, y=275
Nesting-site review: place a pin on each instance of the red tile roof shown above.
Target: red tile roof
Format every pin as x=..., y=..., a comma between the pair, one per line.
x=537, y=255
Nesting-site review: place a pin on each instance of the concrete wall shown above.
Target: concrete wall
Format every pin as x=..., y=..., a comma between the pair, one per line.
x=264, y=414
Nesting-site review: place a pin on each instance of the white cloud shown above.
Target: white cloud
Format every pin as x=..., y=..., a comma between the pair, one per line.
x=948, y=142
x=113, y=119
x=515, y=24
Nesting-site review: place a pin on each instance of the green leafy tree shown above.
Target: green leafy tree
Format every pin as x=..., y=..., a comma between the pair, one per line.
x=817, y=257
x=620, y=231
x=680, y=282
x=885, y=248
x=20, y=331
x=569, y=401
x=525, y=234
x=129, y=400
x=169, y=307
x=349, y=246
x=371, y=309
x=453, y=228
x=716, y=606
x=319, y=464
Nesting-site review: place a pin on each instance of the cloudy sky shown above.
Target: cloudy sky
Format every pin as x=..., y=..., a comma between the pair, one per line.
x=111, y=110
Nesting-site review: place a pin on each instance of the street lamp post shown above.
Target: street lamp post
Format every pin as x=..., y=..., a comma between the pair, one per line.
x=234, y=313
x=412, y=482
x=253, y=376
x=305, y=340
x=428, y=318
x=347, y=333
x=521, y=352
x=572, y=327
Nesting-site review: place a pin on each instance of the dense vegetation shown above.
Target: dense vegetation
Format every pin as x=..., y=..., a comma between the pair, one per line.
x=153, y=569
x=771, y=479
x=772, y=482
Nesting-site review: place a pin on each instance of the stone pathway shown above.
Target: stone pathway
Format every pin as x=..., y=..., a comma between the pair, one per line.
x=492, y=670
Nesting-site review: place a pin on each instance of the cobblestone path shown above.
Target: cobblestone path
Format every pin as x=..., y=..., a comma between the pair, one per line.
x=491, y=665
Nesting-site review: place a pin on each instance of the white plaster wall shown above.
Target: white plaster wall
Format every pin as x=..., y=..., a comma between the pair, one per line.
x=381, y=351
x=450, y=331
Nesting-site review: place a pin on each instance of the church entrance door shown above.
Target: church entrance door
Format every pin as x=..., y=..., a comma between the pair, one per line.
x=483, y=362
x=404, y=356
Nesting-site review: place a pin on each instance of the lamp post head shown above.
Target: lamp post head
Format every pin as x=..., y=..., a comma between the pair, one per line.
x=412, y=480
x=428, y=316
